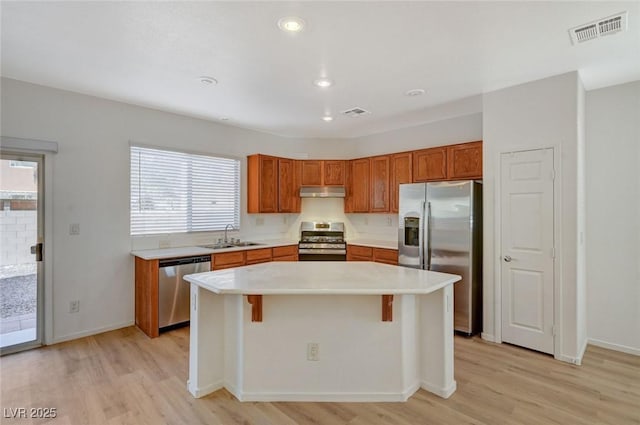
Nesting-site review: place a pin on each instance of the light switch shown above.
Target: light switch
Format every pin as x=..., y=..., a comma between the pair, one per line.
x=74, y=229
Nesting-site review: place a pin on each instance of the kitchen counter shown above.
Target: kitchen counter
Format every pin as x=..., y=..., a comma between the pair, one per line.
x=374, y=243
x=188, y=251
x=321, y=331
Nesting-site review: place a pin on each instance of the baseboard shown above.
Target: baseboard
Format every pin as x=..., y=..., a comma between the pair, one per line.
x=439, y=391
x=488, y=337
x=568, y=359
x=582, y=350
x=328, y=397
x=614, y=347
x=91, y=332
x=201, y=392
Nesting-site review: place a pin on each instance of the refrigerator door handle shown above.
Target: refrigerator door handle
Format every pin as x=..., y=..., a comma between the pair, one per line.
x=421, y=235
x=428, y=238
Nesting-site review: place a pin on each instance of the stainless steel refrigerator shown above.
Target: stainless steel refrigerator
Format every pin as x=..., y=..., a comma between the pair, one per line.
x=441, y=230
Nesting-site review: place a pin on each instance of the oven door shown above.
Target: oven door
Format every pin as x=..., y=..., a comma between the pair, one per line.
x=315, y=254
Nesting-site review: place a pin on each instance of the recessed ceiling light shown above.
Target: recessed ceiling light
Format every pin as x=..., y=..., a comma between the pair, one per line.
x=291, y=24
x=414, y=92
x=323, y=82
x=210, y=81
x=327, y=118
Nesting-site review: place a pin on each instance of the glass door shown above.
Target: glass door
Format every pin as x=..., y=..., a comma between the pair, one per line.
x=21, y=242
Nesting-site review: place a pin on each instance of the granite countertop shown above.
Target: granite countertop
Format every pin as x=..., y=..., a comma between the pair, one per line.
x=322, y=278
x=188, y=251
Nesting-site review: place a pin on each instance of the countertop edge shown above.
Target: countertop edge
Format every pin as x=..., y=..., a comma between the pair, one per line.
x=374, y=243
x=187, y=251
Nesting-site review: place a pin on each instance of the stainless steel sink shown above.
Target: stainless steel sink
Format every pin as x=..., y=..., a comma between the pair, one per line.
x=245, y=244
x=228, y=245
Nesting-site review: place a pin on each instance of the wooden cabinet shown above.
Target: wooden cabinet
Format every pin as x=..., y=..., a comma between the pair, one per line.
x=359, y=185
x=359, y=253
x=464, y=161
x=384, y=255
x=401, y=172
x=366, y=253
x=288, y=185
x=256, y=256
x=334, y=173
x=430, y=164
x=273, y=184
x=262, y=184
x=285, y=253
x=323, y=173
x=225, y=260
x=379, y=180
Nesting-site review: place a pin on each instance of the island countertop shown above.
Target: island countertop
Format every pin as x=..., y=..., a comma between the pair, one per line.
x=322, y=278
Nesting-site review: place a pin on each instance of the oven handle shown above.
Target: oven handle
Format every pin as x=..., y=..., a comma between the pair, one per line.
x=322, y=251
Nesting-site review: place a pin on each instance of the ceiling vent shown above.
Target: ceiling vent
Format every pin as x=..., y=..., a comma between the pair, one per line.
x=599, y=28
x=355, y=112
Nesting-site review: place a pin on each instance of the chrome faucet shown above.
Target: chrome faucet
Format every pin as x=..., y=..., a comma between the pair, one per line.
x=226, y=228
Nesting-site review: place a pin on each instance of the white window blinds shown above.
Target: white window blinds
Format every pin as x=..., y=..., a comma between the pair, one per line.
x=175, y=192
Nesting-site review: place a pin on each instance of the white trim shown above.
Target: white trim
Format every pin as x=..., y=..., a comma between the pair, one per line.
x=581, y=352
x=440, y=391
x=201, y=392
x=614, y=347
x=92, y=332
x=346, y=397
x=28, y=145
x=488, y=337
x=568, y=359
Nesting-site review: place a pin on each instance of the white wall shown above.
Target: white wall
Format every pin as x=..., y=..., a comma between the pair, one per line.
x=613, y=216
x=538, y=114
x=90, y=186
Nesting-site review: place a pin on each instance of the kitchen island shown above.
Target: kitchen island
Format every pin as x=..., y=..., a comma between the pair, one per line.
x=321, y=331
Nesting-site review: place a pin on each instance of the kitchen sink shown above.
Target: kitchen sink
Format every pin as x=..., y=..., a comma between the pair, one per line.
x=245, y=244
x=228, y=245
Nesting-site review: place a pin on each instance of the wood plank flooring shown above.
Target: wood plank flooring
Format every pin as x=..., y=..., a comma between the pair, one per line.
x=123, y=377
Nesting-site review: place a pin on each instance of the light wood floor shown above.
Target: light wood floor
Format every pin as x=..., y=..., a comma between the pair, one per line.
x=123, y=377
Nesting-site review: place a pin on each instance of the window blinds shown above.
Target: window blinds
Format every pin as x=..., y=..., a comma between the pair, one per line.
x=174, y=192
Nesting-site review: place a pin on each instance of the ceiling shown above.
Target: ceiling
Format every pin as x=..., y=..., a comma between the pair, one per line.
x=153, y=53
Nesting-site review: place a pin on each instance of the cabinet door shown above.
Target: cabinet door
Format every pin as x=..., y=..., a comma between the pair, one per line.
x=256, y=256
x=387, y=256
x=360, y=185
x=225, y=260
x=359, y=253
x=287, y=190
x=430, y=164
x=401, y=167
x=464, y=161
x=379, y=184
x=262, y=184
x=334, y=172
x=312, y=173
x=348, y=187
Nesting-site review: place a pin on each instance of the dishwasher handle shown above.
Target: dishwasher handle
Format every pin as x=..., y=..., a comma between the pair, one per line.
x=185, y=260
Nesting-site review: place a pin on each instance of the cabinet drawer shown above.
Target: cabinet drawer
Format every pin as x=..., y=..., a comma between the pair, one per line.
x=292, y=257
x=388, y=256
x=284, y=251
x=228, y=259
x=258, y=255
x=361, y=251
x=358, y=258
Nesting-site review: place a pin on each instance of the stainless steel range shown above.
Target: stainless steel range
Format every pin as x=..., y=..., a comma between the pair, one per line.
x=322, y=241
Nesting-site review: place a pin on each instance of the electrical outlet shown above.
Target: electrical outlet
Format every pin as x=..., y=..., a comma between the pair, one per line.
x=74, y=229
x=74, y=306
x=313, y=351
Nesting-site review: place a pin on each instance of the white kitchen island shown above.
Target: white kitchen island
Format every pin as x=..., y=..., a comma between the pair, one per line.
x=381, y=331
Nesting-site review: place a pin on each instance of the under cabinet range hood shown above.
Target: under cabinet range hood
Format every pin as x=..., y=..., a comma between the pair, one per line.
x=322, y=192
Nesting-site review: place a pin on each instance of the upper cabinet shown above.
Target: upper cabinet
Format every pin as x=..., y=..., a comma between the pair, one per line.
x=464, y=161
x=430, y=164
x=379, y=180
x=272, y=184
x=323, y=173
x=358, y=191
x=401, y=172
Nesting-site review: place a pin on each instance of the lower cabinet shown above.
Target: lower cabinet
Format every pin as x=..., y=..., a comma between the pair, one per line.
x=367, y=253
x=285, y=253
x=257, y=256
x=226, y=260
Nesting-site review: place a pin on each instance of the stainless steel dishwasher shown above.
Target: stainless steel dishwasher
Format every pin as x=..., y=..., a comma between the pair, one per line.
x=173, y=291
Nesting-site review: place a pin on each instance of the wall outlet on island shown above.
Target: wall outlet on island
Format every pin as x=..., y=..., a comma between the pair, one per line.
x=313, y=351
x=74, y=306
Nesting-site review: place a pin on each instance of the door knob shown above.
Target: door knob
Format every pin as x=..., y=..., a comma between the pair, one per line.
x=507, y=258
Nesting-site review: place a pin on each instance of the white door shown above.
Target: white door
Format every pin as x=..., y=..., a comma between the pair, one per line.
x=527, y=249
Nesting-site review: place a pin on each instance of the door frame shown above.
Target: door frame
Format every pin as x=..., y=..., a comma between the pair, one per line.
x=47, y=149
x=557, y=238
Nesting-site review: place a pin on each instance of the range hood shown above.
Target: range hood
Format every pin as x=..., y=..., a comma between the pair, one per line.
x=322, y=192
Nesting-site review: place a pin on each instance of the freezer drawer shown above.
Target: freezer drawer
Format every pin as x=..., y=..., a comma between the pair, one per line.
x=173, y=291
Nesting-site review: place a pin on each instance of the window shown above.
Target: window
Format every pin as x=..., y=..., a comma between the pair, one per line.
x=173, y=192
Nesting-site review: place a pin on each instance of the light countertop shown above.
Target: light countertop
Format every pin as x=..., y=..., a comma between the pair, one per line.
x=374, y=243
x=188, y=251
x=322, y=278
